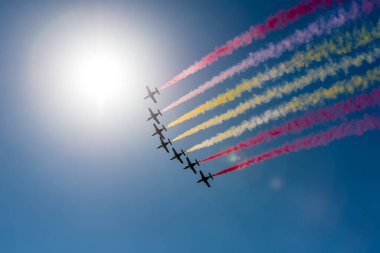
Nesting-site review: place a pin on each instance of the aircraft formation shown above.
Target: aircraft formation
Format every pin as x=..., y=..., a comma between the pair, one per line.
x=177, y=154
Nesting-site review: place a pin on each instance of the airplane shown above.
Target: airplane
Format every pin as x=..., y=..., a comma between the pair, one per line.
x=159, y=131
x=165, y=144
x=151, y=94
x=178, y=155
x=191, y=165
x=205, y=179
x=154, y=116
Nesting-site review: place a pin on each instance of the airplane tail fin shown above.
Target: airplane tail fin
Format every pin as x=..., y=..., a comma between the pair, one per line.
x=211, y=176
x=159, y=112
x=157, y=91
x=169, y=141
x=196, y=161
x=164, y=128
x=183, y=152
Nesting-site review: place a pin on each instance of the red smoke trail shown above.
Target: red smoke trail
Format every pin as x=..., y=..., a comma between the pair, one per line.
x=329, y=113
x=353, y=127
x=278, y=21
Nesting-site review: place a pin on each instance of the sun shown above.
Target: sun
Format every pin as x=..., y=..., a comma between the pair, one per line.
x=96, y=76
x=84, y=76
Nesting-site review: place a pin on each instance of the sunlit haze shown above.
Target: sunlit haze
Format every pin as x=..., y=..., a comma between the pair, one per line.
x=97, y=77
x=84, y=66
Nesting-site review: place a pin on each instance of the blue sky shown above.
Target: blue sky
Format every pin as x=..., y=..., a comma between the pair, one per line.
x=70, y=182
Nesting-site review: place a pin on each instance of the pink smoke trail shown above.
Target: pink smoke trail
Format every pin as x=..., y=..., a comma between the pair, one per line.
x=353, y=127
x=278, y=21
x=316, y=28
x=328, y=113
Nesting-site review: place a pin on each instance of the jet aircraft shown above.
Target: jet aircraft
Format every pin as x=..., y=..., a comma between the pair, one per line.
x=191, y=165
x=159, y=131
x=205, y=178
x=178, y=155
x=154, y=116
x=165, y=144
x=151, y=94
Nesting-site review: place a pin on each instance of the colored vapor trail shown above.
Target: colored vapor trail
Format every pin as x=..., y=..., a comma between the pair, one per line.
x=311, y=77
x=340, y=43
x=337, y=111
x=351, y=128
x=316, y=28
x=278, y=21
x=300, y=103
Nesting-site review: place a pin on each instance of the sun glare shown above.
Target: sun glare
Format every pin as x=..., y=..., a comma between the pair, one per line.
x=97, y=77
x=84, y=75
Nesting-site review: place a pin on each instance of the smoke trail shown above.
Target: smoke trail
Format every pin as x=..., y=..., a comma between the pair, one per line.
x=329, y=113
x=300, y=103
x=316, y=28
x=312, y=76
x=351, y=128
x=339, y=43
x=280, y=20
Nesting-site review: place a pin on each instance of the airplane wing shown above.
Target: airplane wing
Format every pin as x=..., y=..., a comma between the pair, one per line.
x=187, y=167
x=166, y=148
x=154, y=118
x=149, y=93
x=153, y=98
x=206, y=182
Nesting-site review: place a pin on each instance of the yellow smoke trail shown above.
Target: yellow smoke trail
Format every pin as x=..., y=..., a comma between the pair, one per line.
x=313, y=75
x=339, y=43
x=300, y=103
